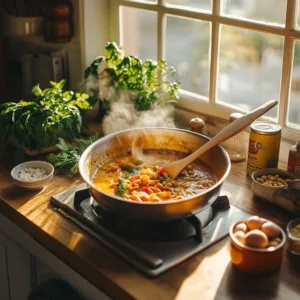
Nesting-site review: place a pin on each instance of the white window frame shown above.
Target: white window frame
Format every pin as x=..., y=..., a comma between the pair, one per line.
x=190, y=101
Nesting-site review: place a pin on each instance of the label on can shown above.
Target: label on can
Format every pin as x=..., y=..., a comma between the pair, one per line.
x=264, y=144
x=294, y=165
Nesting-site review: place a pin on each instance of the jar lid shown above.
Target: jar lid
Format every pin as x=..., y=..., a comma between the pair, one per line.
x=265, y=128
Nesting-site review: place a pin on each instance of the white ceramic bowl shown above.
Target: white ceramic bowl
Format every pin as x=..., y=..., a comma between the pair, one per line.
x=33, y=184
x=266, y=191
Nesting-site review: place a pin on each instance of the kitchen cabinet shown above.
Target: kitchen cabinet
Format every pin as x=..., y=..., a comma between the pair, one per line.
x=15, y=276
x=4, y=287
x=29, y=264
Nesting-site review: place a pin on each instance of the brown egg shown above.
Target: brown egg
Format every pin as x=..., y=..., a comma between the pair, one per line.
x=273, y=244
x=254, y=222
x=256, y=238
x=241, y=227
x=240, y=236
x=270, y=229
x=278, y=240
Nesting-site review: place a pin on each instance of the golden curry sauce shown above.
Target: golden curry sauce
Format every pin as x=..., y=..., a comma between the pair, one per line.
x=143, y=179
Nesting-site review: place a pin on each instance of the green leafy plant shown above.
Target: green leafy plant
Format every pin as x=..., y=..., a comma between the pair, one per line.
x=145, y=79
x=67, y=160
x=53, y=114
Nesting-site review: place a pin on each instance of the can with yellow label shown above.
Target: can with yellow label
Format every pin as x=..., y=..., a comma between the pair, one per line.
x=264, y=144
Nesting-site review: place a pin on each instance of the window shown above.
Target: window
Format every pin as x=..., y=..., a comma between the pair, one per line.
x=230, y=55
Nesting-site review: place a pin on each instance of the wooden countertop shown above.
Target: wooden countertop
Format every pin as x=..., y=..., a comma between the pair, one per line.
x=207, y=275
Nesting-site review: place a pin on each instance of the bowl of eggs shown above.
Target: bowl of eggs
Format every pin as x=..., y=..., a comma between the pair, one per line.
x=257, y=245
x=266, y=183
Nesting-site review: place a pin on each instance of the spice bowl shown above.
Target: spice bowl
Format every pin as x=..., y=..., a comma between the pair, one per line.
x=293, y=236
x=268, y=191
x=32, y=175
x=256, y=260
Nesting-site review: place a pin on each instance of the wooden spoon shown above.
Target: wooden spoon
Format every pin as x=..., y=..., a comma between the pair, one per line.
x=230, y=130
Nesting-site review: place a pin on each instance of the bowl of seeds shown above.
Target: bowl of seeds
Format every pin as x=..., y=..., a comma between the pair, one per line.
x=266, y=183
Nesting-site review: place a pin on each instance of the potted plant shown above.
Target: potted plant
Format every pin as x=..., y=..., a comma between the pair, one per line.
x=144, y=85
x=35, y=126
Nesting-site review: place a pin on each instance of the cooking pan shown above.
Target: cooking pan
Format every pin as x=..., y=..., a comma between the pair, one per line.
x=123, y=142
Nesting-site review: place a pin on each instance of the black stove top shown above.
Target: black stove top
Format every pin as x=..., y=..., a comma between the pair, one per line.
x=151, y=248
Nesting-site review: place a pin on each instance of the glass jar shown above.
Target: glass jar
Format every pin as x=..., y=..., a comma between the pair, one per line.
x=294, y=159
x=293, y=235
x=236, y=146
x=57, y=25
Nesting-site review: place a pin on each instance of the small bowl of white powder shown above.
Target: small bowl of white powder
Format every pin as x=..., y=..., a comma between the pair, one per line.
x=32, y=174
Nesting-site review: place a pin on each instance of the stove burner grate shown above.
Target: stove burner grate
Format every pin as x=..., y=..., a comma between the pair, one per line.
x=163, y=231
x=161, y=246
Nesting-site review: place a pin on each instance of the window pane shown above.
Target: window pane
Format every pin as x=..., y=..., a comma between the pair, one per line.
x=294, y=104
x=192, y=4
x=270, y=11
x=139, y=33
x=151, y=1
x=298, y=18
x=187, y=49
x=250, y=64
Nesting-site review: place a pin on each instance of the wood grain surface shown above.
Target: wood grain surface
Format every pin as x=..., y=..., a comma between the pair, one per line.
x=207, y=275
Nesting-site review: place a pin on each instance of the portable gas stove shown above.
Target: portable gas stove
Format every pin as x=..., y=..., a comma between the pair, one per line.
x=152, y=248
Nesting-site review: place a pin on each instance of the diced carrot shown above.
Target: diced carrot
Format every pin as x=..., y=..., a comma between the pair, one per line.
x=133, y=188
x=152, y=182
x=164, y=195
x=135, y=197
x=160, y=186
x=147, y=190
x=121, y=163
x=137, y=181
x=160, y=171
x=144, y=197
x=112, y=169
x=134, y=177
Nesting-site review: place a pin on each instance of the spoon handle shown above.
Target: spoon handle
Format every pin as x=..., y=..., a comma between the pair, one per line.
x=230, y=130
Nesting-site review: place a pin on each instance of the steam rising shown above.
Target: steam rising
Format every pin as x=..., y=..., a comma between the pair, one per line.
x=124, y=116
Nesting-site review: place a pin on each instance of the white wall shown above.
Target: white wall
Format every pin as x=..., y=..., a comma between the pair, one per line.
x=94, y=30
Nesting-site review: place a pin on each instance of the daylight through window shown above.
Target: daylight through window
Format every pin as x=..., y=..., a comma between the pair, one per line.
x=229, y=54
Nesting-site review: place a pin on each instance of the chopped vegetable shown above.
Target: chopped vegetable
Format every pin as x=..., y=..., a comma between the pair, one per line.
x=121, y=188
x=151, y=183
x=162, y=178
x=130, y=169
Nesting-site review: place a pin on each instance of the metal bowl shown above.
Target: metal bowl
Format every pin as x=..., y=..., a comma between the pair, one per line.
x=122, y=142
